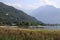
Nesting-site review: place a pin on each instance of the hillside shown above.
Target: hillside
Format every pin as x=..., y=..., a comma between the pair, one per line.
x=47, y=14
x=9, y=14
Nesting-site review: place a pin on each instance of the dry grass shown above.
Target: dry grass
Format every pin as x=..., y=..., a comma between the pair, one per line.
x=28, y=34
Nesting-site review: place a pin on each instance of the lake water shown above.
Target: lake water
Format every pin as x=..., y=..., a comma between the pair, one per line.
x=46, y=27
x=52, y=28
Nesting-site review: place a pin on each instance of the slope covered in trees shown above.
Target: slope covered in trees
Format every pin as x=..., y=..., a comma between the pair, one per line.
x=12, y=16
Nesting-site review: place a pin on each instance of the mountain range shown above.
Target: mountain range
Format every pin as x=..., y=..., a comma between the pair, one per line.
x=11, y=14
x=47, y=14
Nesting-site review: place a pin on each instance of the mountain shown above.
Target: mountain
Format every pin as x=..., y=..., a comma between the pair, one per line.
x=11, y=14
x=47, y=14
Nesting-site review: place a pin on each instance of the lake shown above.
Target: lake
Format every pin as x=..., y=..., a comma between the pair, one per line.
x=52, y=28
x=46, y=27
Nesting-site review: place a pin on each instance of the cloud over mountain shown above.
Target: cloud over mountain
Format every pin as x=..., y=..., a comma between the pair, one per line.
x=31, y=4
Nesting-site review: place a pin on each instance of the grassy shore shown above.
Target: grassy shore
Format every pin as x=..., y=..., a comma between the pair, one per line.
x=28, y=34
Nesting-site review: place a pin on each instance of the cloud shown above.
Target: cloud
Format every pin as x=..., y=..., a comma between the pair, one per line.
x=16, y=5
x=49, y=2
x=55, y=3
x=32, y=4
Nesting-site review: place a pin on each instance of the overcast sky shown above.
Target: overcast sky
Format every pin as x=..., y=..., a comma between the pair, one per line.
x=31, y=4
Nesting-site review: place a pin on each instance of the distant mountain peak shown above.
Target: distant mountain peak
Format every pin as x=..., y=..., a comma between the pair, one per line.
x=46, y=6
x=47, y=14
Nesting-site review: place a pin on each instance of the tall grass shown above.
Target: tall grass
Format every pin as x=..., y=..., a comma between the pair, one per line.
x=28, y=34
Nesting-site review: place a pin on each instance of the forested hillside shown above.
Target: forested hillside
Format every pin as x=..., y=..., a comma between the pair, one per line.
x=12, y=16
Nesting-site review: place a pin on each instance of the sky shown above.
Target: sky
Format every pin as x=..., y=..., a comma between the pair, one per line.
x=31, y=4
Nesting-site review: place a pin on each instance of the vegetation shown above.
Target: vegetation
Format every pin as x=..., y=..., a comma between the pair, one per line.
x=28, y=34
x=10, y=15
